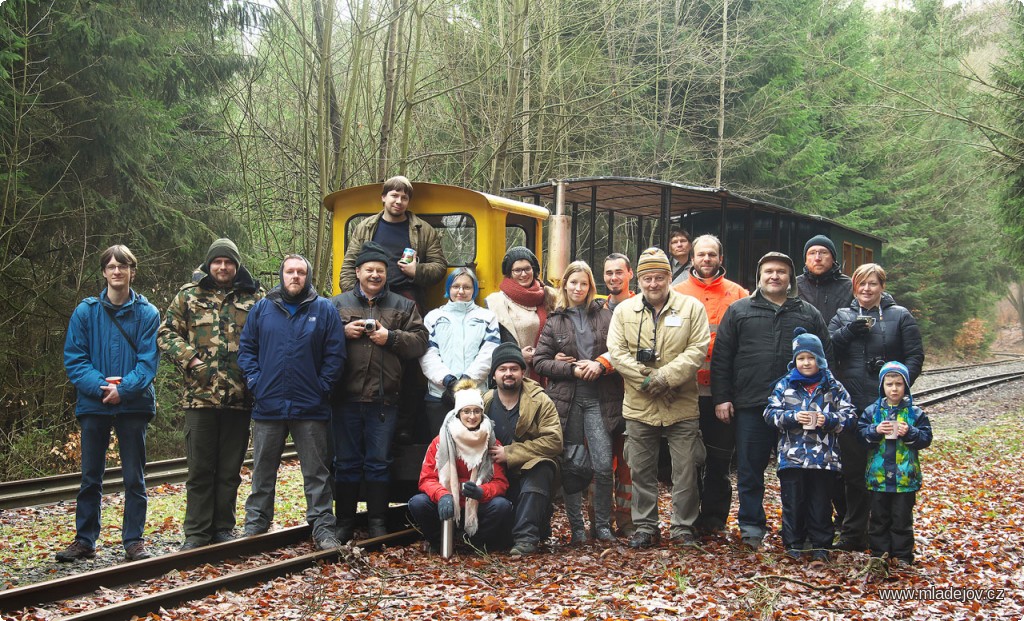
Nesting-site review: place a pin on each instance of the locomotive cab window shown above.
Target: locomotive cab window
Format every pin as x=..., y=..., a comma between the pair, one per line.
x=457, y=232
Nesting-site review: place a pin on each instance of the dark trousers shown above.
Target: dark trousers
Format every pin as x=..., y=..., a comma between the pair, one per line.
x=362, y=441
x=494, y=518
x=131, y=442
x=858, y=501
x=754, y=443
x=892, y=524
x=716, y=489
x=530, y=493
x=807, y=507
x=215, y=443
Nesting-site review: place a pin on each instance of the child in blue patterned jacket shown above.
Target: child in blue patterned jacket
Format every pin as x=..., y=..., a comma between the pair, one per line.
x=896, y=429
x=810, y=408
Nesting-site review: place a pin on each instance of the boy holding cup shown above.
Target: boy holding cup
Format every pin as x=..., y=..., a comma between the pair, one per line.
x=809, y=407
x=896, y=430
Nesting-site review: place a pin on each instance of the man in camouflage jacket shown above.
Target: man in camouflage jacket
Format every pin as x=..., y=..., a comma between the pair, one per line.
x=200, y=334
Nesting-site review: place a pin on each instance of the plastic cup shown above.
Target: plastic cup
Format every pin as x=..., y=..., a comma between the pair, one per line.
x=115, y=380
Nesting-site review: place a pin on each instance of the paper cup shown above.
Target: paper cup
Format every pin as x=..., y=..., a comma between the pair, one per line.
x=115, y=380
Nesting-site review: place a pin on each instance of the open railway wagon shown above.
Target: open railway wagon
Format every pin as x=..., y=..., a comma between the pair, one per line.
x=586, y=218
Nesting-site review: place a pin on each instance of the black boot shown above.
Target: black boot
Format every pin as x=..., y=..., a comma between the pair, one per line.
x=377, y=508
x=346, y=496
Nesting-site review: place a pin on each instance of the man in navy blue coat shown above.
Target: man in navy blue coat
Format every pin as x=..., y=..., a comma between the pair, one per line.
x=292, y=352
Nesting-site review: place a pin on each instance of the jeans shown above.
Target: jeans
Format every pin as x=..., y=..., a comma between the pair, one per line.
x=131, y=439
x=716, y=489
x=807, y=507
x=362, y=441
x=215, y=444
x=755, y=440
x=494, y=518
x=310, y=437
x=892, y=524
x=599, y=445
x=687, y=452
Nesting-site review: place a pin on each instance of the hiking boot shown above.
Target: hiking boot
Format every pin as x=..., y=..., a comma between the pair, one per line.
x=253, y=531
x=224, y=536
x=75, y=551
x=754, y=544
x=605, y=534
x=189, y=545
x=522, y=548
x=579, y=538
x=849, y=545
x=795, y=554
x=820, y=557
x=641, y=540
x=136, y=551
x=328, y=543
x=684, y=539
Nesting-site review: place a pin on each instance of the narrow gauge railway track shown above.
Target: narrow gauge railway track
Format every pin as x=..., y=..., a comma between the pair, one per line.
x=1013, y=358
x=939, y=394
x=79, y=585
x=47, y=490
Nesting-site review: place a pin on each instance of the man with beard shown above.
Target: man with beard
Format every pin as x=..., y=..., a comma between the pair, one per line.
x=753, y=349
x=657, y=341
x=384, y=332
x=200, y=333
x=292, y=353
x=823, y=282
x=707, y=283
x=526, y=423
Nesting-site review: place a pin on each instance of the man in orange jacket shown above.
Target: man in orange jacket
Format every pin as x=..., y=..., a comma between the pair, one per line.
x=707, y=283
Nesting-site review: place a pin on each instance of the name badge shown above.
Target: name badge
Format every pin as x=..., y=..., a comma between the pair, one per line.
x=673, y=321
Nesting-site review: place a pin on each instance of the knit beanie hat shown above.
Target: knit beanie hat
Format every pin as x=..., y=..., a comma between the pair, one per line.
x=804, y=341
x=223, y=247
x=461, y=271
x=652, y=259
x=504, y=353
x=468, y=397
x=894, y=367
x=821, y=240
x=519, y=253
x=372, y=251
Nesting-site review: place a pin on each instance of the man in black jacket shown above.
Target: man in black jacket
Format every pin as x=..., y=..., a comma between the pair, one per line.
x=823, y=282
x=752, y=351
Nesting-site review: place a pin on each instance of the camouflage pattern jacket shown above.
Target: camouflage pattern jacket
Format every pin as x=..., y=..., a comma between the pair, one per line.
x=207, y=322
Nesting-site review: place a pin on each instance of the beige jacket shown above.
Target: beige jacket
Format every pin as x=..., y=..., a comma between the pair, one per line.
x=682, y=344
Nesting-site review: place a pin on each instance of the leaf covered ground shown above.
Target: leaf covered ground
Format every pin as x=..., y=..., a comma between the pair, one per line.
x=968, y=527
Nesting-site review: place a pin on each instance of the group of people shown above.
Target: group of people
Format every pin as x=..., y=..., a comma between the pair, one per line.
x=521, y=394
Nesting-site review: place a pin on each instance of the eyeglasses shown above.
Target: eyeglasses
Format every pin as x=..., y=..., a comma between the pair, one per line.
x=462, y=287
x=818, y=253
x=520, y=271
x=117, y=267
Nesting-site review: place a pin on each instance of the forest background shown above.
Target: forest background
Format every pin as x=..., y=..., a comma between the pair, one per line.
x=164, y=125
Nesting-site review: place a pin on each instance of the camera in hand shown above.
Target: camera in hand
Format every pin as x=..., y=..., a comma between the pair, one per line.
x=370, y=324
x=875, y=365
x=646, y=356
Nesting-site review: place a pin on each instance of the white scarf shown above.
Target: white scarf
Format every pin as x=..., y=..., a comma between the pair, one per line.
x=471, y=447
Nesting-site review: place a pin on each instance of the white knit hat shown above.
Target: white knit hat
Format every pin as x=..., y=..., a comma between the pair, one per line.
x=467, y=397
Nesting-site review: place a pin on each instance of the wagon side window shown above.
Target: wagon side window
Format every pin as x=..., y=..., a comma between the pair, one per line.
x=458, y=237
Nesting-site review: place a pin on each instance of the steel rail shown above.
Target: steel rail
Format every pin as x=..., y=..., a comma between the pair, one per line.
x=127, y=573
x=142, y=606
x=945, y=393
x=938, y=370
x=47, y=490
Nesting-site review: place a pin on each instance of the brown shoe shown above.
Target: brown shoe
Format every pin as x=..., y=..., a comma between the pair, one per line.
x=75, y=551
x=136, y=551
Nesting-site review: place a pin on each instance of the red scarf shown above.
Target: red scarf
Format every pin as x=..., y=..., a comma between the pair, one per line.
x=527, y=296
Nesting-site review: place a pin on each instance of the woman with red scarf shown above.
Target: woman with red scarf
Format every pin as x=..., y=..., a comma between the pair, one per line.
x=523, y=302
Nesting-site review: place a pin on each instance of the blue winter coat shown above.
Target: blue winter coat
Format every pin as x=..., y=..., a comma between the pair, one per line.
x=95, y=349
x=291, y=362
x=800, y=448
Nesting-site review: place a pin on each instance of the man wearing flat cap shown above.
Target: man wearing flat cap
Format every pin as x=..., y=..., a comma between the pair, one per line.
x=753, y=349
x=200, y=334
x=383, y=332
x=657, y=341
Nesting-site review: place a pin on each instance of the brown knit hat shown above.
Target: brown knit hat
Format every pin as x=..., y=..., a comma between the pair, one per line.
x=652, y=259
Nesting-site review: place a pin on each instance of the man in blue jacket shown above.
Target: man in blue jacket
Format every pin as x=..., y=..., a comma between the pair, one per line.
x=110, y=356
x=292, y=352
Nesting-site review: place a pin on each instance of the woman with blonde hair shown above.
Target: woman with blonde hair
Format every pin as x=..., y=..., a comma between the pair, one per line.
x=572, y=355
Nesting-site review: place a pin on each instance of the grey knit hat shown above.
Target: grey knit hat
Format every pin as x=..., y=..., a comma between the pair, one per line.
x=519, y=253
x=223, y=247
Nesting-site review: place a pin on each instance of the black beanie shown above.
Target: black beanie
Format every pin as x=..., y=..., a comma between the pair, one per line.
x=519, y=253
x=821, y=240
x=372, y=251
x=504, y=353
x=223, y=247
